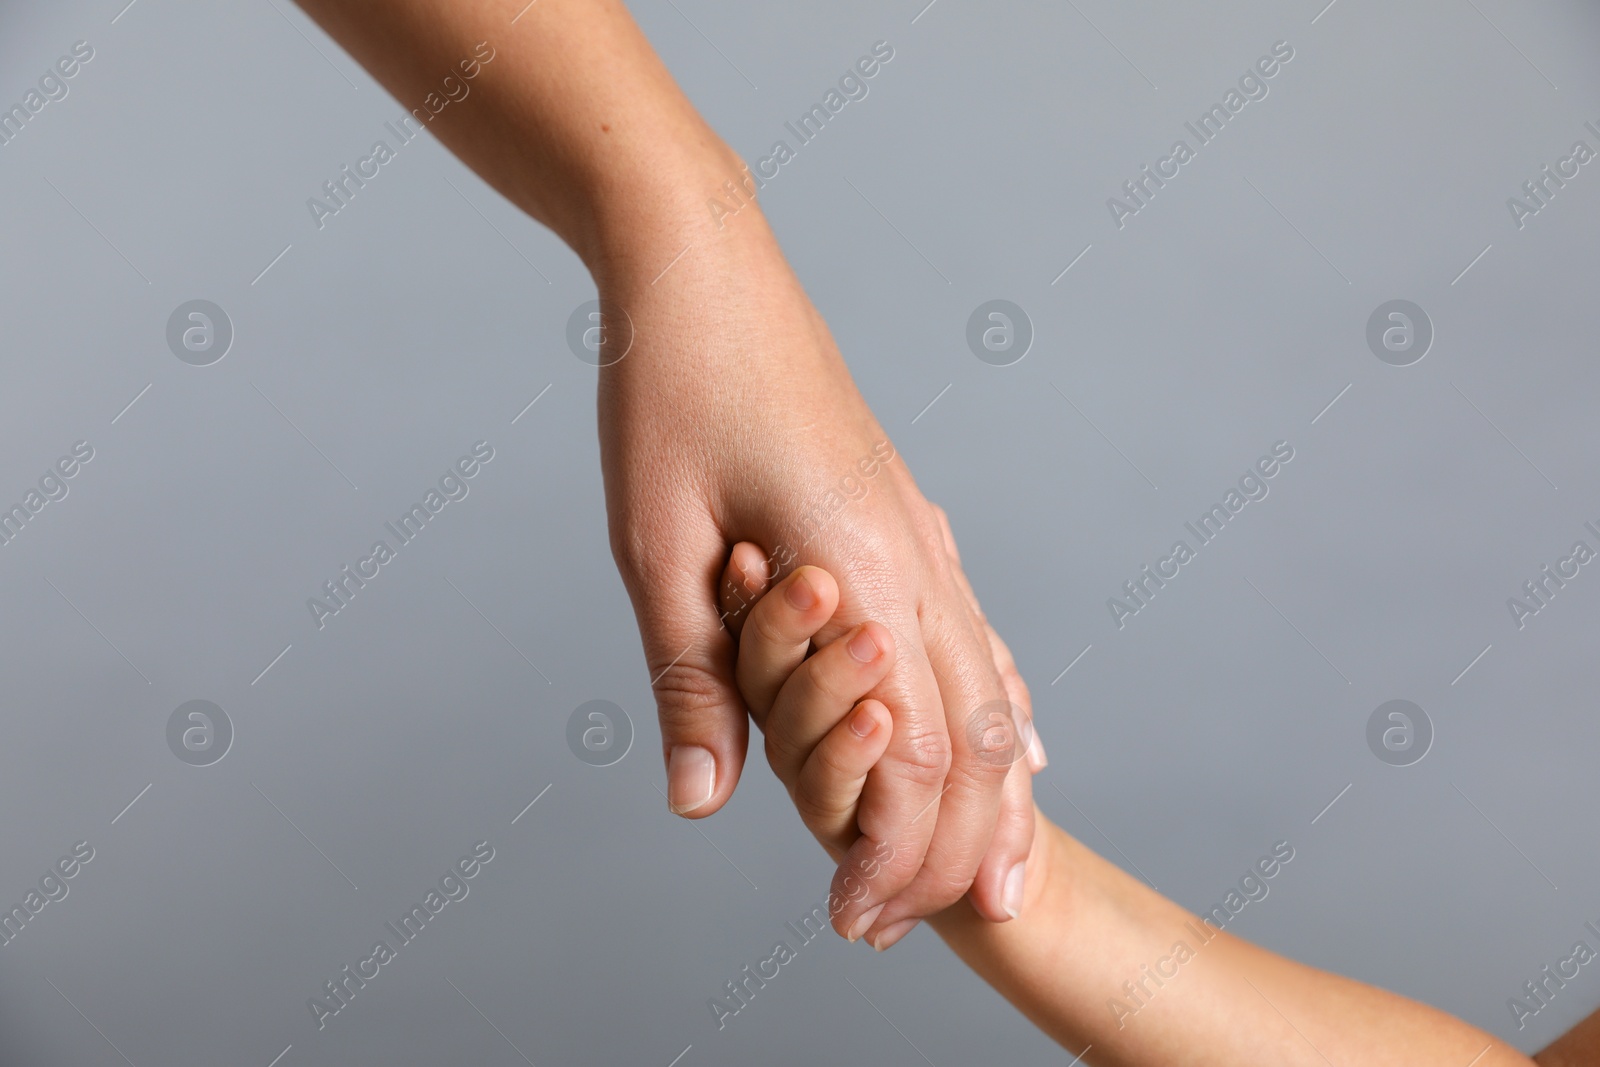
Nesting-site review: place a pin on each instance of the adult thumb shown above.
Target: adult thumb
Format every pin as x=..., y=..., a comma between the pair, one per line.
x=689, y=653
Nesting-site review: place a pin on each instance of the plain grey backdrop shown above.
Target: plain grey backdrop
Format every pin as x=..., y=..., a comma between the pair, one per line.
x=370, y=354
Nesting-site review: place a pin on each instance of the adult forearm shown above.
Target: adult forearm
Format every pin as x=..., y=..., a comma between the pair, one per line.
x=575, y=119
x=1100, y=959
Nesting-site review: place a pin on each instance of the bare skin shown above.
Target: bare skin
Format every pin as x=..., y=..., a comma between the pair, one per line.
x=1578, y=1047
x=731, y=416
x=1097, y=959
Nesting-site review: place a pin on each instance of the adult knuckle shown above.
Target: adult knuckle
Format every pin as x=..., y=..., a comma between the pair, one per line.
x=926, y=757
x=685, y=690
x=944, y=886
x=985, y=771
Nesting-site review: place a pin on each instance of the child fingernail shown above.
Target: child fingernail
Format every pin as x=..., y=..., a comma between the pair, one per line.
x=800, y=595
x=1011, y=894
x=864, y=647
x=863, y=722
x=691, y=778
x=863, y=923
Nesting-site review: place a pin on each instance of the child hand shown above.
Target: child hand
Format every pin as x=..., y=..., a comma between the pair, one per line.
x=775, y=636
x=822, y=736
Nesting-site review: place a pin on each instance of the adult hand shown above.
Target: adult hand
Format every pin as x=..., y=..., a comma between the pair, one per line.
x=731, y=417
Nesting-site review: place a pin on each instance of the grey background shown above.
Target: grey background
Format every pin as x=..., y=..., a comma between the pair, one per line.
x=1224, y=317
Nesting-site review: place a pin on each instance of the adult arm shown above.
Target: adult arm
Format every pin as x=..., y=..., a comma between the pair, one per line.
x=731, y=417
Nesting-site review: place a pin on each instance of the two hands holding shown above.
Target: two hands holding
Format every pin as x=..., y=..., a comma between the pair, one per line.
x=1101, y=962
x=827, y=739
x=891, y=710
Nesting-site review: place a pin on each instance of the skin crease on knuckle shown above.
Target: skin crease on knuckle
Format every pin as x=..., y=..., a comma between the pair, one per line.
x=782, y=752
x=923, y=758
x=814, y=810
x=685, y=692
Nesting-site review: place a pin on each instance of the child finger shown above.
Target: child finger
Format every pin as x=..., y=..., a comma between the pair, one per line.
x=744, y=580
x=821, y=691
x=831, y=780
x=777, y=635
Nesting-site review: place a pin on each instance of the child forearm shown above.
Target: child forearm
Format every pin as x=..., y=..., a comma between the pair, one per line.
x=1100, y=961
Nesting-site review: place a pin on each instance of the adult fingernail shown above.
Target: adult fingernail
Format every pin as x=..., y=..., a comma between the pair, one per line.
x=1037, y=760
x=1011, y=893
x=892, y=933
x=864, y=647
x=863, y=924
x=691, y=778
x=800, y=595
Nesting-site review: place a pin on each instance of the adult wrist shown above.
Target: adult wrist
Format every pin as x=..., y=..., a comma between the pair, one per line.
x=690, y=203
